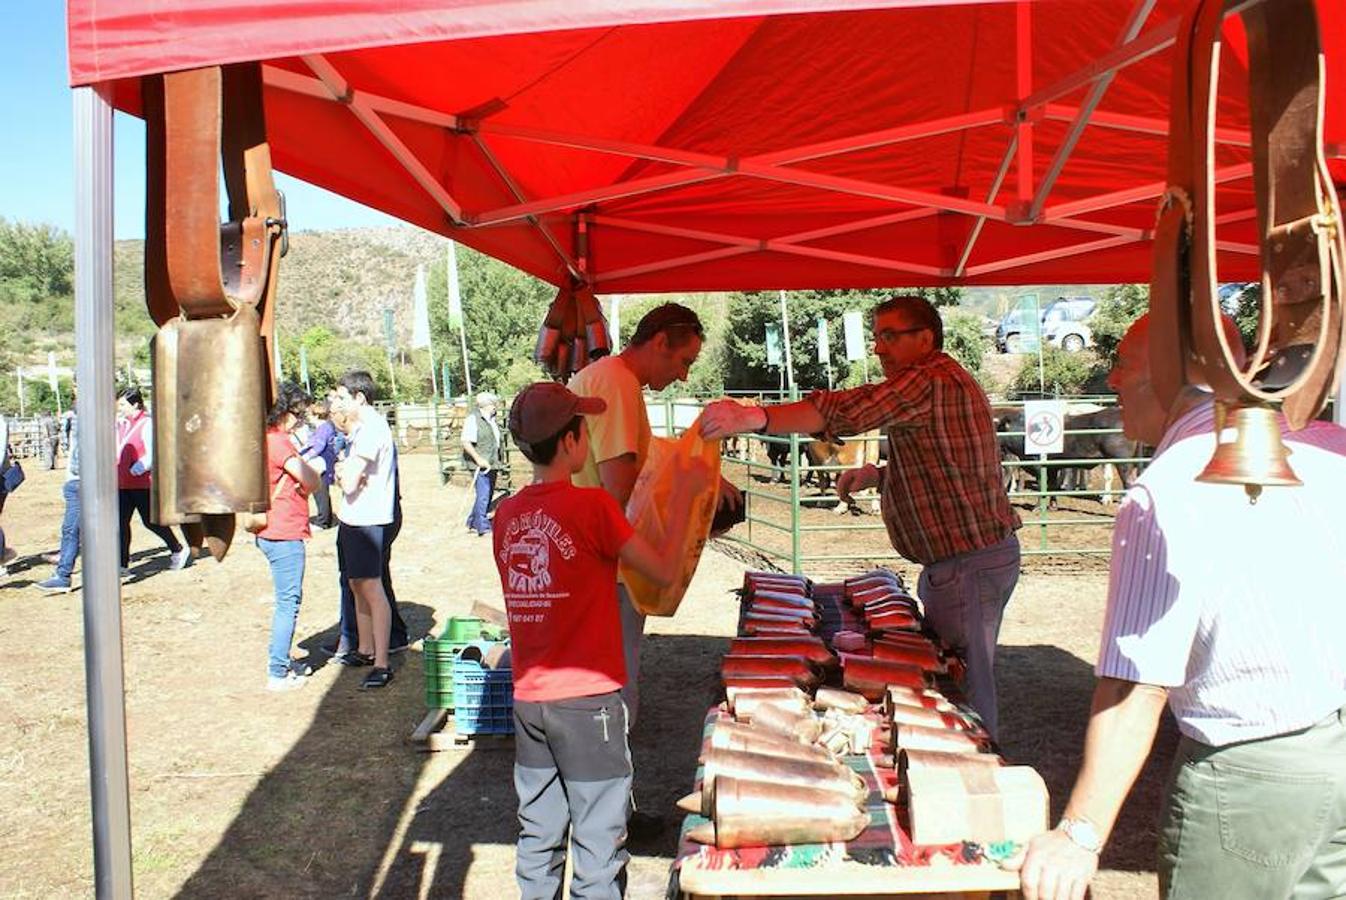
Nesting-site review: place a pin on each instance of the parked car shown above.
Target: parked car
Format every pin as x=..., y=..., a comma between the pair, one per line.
x=1055, y=316
x=1009, y=334
x=1069, y=336
x=1064, y=323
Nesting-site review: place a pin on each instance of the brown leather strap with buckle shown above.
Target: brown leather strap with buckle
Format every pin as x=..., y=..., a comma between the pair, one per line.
x=211, y=288
x=1298, y=217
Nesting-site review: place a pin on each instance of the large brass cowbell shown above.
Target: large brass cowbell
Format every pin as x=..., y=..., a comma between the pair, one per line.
x=198, y=412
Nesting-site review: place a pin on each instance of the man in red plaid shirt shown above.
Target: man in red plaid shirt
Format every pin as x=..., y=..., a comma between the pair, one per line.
x=943, y=499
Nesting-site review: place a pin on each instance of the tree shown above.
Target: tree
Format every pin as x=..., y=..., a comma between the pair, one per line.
x=964, y=339
x=503, y=309
x=1119, y=306
x=746, y=364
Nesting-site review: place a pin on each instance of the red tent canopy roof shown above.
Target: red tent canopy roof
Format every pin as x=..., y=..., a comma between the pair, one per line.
x=729, y=145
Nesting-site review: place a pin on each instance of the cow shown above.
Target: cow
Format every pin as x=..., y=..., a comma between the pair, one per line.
x=818, y=457
x=1100, y=447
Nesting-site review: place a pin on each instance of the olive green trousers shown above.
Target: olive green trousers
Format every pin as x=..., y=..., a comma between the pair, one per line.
x=1265, y=819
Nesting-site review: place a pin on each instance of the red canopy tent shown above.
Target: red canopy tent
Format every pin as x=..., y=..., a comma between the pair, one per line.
x=696, y=144
x=730, y=145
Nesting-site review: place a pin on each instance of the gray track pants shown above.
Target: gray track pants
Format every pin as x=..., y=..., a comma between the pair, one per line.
x=572, y=772
x=633, y=634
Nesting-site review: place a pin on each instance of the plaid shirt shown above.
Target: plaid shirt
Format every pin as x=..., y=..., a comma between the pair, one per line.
x=942, y=489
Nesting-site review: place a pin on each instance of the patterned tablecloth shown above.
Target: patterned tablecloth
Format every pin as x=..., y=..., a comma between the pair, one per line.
x=881, y=854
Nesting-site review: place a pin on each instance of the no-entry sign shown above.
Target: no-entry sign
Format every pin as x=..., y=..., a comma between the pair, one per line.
x=1044, y=426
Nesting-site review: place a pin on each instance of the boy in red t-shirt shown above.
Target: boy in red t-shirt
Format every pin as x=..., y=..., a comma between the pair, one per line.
x=557, y=547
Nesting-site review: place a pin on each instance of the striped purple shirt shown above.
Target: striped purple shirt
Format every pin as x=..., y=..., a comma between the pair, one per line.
x=1236, y=608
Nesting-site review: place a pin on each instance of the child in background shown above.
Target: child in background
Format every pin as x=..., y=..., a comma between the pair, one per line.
x=557, y=547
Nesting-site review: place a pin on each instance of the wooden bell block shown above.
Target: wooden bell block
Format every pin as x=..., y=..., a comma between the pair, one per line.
x=924, y=737
x=980, y=803
x=913, y=655
x=871, y=677
x=782, y=596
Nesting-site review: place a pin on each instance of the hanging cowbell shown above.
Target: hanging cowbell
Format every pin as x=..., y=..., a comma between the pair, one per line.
x=1256, y=457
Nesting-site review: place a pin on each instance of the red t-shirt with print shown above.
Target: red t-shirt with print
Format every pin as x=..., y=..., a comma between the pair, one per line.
x=288, y=518
x=556, y=547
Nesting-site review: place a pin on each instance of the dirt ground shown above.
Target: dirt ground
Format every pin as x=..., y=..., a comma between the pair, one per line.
x=239, y=793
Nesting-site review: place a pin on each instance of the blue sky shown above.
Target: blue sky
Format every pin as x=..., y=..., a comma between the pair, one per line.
x=37, y=153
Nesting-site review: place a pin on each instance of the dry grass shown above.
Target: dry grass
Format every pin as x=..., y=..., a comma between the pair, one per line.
x=240, y=793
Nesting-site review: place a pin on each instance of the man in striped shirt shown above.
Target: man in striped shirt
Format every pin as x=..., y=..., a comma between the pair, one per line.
x=942, y=497
x=1232, y=614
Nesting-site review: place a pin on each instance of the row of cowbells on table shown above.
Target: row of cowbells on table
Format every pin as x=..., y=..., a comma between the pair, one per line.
x=773, y=774
x=769, y=777
x=952, y=783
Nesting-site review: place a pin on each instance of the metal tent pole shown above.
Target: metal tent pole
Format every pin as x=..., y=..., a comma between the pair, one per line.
x=94, y=369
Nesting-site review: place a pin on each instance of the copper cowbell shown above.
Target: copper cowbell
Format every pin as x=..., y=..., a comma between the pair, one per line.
x=215, y=417
x=1256, y=458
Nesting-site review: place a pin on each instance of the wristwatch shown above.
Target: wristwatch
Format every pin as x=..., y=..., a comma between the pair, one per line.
x=1082, y=833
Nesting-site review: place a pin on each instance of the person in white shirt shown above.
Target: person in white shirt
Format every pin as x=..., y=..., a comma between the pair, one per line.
x=367, y=481
x=1231, y=614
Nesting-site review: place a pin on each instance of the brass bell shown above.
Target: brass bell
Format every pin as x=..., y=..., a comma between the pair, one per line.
x=1256, y=457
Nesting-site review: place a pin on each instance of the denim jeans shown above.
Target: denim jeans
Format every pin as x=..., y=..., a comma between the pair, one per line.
x=484, y=485
x=965, y=598
x=287, y=573
x=350, y=636
x=69, y=529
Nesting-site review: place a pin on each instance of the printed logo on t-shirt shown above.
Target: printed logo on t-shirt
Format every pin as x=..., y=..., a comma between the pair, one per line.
x=526, y=551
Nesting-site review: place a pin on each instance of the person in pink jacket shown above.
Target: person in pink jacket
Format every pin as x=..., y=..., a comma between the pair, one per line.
x=135, y=457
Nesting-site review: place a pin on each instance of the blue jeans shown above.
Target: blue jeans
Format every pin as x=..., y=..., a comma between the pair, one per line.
x=484, y=485
x=69, y=529
x=965, y=598
x=287, y=573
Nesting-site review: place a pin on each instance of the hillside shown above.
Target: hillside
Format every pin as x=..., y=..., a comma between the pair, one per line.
x=341, y=279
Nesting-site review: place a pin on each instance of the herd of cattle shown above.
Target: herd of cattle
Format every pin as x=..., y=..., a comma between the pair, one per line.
x=1093, y=440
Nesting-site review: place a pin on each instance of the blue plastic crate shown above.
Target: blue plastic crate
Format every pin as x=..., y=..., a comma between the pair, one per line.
x=483, y=699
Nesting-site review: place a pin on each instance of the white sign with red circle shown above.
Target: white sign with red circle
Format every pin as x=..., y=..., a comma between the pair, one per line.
x=1044, y=426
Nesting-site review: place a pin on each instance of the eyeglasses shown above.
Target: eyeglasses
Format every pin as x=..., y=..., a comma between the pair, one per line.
x=888, y=335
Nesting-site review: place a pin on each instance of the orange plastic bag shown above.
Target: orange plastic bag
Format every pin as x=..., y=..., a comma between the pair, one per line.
x=649, y=505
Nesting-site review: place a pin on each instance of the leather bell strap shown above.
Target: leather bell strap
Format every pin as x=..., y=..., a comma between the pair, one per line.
x=1297, y=215
x=196, y=267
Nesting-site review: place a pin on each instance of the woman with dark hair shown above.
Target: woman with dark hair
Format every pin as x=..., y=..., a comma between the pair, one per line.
x=135, y=458
x=290, y=480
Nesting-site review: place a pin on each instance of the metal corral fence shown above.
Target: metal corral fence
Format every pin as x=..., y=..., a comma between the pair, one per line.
x=783, y=526
x=26, y=438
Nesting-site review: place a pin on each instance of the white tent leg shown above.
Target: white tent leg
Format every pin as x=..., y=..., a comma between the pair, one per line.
x=98, y=495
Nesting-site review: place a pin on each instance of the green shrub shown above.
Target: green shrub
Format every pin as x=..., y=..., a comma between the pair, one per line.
x=964, y=339
x=1063, y=373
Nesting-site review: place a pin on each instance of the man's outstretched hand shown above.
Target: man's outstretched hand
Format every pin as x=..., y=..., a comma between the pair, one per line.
x=725, y=418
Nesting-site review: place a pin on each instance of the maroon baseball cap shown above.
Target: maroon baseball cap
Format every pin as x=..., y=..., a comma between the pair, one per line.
x=543, y=408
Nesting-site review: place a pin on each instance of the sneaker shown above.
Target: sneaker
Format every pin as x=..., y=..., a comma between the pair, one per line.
x=377, y=678
x=55, y=585
x=287, y=682
x=180, y=559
